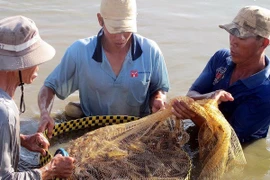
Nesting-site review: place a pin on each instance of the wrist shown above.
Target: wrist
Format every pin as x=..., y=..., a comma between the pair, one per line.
x=23, y=139
x=43, y=113
x=47, y=172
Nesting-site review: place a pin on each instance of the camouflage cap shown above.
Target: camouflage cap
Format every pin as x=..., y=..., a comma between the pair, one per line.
x=250, y=21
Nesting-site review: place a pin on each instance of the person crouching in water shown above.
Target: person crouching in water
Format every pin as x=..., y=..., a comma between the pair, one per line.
x=21, y=51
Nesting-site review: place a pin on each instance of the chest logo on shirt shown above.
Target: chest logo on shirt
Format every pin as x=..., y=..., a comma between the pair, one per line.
x=219, y=74
x=133, y=73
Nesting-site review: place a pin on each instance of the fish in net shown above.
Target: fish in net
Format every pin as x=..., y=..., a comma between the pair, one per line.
x=152, y=147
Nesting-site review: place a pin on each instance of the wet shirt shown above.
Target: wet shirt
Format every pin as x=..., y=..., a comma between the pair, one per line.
x=85, y=67
x=249, y=113
x=10, y=142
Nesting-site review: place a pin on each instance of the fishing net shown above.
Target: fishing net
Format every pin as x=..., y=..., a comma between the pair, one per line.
x=152, y=147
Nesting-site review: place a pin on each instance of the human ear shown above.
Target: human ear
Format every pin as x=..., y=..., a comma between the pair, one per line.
x=100, y=20
x=266, y=42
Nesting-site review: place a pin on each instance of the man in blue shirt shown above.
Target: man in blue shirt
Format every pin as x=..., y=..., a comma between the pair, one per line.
x=117, y=72
x=238, y=78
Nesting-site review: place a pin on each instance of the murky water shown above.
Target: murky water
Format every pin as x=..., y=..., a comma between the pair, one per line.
x=186, y=31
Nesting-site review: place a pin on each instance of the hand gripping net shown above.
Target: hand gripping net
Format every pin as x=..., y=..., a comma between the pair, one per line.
x=151, y=148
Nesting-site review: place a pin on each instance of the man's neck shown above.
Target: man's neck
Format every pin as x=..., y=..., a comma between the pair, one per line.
x=245, y=70
x=252, y=66
x=7, y=83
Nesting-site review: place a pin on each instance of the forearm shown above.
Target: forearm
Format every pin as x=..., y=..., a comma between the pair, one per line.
x=197, y=96
x=218, y=95
x=45, y=99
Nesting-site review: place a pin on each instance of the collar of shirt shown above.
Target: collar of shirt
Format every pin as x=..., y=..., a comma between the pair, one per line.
x=136, y=50
x=256, y=79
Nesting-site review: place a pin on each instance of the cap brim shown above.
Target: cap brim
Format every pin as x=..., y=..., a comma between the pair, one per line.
x=237, y=30
x=119, y=26
x=42, y=53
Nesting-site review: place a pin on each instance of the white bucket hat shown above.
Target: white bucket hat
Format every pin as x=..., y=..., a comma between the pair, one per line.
x=119, y=15
x=20, y=44
x=250, y=21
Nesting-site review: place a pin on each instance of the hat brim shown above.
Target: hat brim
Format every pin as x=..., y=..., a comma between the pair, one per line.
x=237, y=30
x=120, y=26
x=41, y=53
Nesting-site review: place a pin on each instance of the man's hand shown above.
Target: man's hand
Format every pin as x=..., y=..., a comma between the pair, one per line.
x=46, y=122
x=182, y=111
x=35, y=142
x=59, y=166
x=158, y=104
x=218, y=95
x=221, y=96
x=158, y=101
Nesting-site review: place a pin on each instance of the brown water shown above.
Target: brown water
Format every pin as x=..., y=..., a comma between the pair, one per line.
x=186, y=31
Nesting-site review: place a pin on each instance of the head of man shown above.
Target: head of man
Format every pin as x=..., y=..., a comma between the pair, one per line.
x=119, y=20
x=21, y=50
x=249, y=32
x=21, y=47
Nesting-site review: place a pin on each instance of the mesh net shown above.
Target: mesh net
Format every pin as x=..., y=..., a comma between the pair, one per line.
x=152, y=147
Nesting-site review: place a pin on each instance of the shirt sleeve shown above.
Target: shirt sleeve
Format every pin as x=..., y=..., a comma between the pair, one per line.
x=204, y=83
x=9, y=154
x=63, y=78
x=160, y=78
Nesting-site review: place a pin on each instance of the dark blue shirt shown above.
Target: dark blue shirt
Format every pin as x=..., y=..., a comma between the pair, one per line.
x=249, y=113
